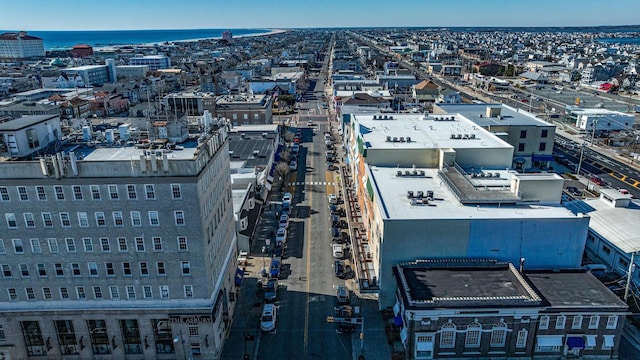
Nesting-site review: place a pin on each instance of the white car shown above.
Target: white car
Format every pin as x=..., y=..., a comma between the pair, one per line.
x=310, y=123
x=293, y=165
x=333, y=199
x=286, y=197
x=338, y=251
x=284, y=221
x=268, y=318
x=281, y=235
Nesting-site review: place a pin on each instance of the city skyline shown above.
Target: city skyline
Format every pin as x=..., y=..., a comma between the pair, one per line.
x=162, y=14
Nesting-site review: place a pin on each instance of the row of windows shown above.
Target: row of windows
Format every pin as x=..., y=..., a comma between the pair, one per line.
x=576, y=323
x=541, y=147
x=76, y=269
x=104, y=244
x=93, y=192
x=83, y=219
x=543, y=133
x=473, y=335
x=113, y=292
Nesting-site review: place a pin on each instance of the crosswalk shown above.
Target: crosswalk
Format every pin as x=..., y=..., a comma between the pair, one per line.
x=329, y=183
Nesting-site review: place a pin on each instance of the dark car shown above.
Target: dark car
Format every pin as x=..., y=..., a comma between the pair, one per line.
x=274, y=269
x=335, y=232
x=338, y=268
x=271, y=290
x=574, y=191
x=342, y=224
x=336, y=210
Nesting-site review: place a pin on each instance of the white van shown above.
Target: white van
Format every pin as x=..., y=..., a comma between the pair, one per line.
x=268, y=318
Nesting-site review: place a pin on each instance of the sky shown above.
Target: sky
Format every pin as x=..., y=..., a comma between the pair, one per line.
x=236, y=14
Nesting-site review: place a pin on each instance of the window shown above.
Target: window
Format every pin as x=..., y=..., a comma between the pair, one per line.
x=608, y=342
x=193, y=330
x=139, y=243
x=175, y=191
x=153, y=218
x=448, y=336
x=64, y=293
x=35, y=246
x=472, y=338
x=93, y=269
x=29, y=221
x=157, y=243
x=196, y=349
x=131, y=192
x=95, y=192
x=182, y=243
x=11, y=220
x=71, y=245
x=97, y=292
x=188, y=291
x=161, y=269
x=101, y=220
x=13, y=294
x=22, y=192
x=179, y=216
x=115, y=294
x=104, y=244
x=122, y=244
x=3, y=250
x=58, y=269
x=150, y=192
x=110, y=270
x=42, y=271
x=17, y=246
x=131, y=292
x=46, y=293
x=560, y=321
x=4, y=194
x=6, y=270
x=126, y=268
x=75, y=269
x=83, y=220
x=113, y=192
x=24, y=270
x=65, y=220
x=53, y=245
x=612, y=321
x=77, y=192
x=136, y=220
x=521, y=147
x=144, y=269
x=542, y=146
x=31, y=295
x=544, y=322
x=577, y=322
x=523, y=134
x=498, y=335
x=147, y=292
x=88, y=244
x=117, y=219
x=606, y=249
x=42, y=195
x=521, y=340
x=47, y=220
x=186, y=268
x=164, y=291
x=80, y=292
x=594, y=320
x=544, y=133
x=59, y=192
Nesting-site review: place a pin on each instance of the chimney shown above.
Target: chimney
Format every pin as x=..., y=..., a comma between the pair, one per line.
x=521, y=265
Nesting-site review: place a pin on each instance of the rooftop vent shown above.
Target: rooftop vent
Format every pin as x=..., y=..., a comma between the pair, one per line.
x=388, y=138
x=401, y=138
x=408, y=139
x=399, y=173
x=375, y=117
x=409, y=194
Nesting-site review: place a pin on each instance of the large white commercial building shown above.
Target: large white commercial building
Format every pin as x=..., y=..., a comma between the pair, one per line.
x=155, y=62
x=435, y=186
x=600, y=120
x=117, y=252
x=20, y=45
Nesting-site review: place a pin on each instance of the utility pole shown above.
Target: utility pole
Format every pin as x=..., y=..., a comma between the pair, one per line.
x=581, y=158
x=629, y=273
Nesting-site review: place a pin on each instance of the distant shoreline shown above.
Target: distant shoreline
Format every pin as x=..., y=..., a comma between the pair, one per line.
x=271, y=32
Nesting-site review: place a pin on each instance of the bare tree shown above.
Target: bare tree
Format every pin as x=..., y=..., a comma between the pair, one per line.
x=282, y=169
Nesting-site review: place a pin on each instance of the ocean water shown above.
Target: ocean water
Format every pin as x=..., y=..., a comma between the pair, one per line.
x=67, y=39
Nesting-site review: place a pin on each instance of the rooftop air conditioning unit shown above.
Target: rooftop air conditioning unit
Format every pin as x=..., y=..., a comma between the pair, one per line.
x=472, y=136
x=388, y=138
x=385, y=117
x=399, y=173
x=413, y=201
x=375, y=117
x=390, y=117
x=395, y=139
x=420, y=172
x=408, y=139
x=430, y=195
x=453, y=136
x=409, y=194
x=496, y=175
x=420, y=194
x=401, y=138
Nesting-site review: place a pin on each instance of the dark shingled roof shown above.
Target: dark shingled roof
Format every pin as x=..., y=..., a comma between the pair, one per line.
x=15, y=36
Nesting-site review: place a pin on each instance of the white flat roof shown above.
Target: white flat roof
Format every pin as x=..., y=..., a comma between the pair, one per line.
x=618, y=225
x=131, y=152
x=393, y=193
x=425, y=134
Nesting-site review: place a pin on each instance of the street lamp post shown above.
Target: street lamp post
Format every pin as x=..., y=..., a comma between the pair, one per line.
x=581, y=158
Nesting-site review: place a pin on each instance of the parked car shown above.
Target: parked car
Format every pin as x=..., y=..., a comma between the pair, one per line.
x=338, y=269
x=336, y=210
x=598, y=181
x=279, y=249
x=333, y=199
x=268, y=318
x=339, y=223
x=310, y=123
x=342, y=295
x=338, y=251
x=335, y=232
x=284, y=221
x=286, y=197
x=293, y=165
x=345, y=311
x=574, y=191
x=281, y=235
x=331, y=166
x=271, y=290
x=274, y=267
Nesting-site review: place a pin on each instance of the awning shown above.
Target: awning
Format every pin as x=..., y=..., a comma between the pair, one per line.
x=397, y=321
x=549, y=340
x=608, y=340
x=542, y=158
x=424, y=346
x=239, y=276
x=520, y=160
x=575, y=342
x=591, y=340
x=396, y=308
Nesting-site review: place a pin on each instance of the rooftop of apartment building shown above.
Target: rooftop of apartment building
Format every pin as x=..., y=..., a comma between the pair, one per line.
x=242, y=99
x=498, y=114
x=488, y=197
x=417, y=131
